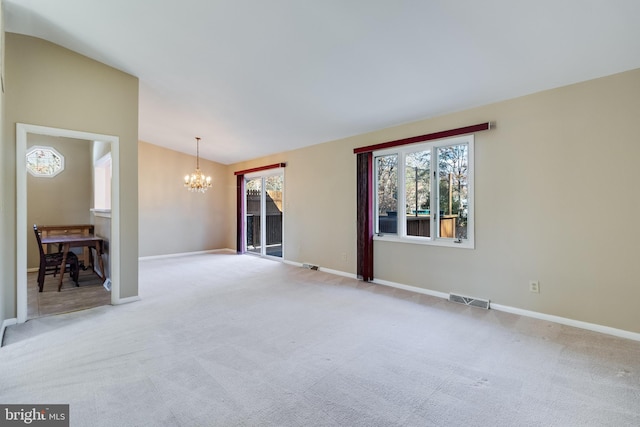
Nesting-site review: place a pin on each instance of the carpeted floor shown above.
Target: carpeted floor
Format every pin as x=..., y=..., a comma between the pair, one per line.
x=227, y=340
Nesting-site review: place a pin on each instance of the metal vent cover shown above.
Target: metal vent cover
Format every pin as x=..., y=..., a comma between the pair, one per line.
x=476, y=302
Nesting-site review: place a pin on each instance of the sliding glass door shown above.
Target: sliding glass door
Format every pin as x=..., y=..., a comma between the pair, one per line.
x=264, y=213
x=253, y=203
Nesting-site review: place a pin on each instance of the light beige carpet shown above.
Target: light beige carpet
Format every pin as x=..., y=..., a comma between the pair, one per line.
x=227, y=340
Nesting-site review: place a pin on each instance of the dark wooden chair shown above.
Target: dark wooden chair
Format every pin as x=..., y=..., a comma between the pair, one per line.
x=50, y=263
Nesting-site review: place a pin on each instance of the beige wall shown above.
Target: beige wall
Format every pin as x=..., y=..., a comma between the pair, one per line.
x=7, y=294
x=554, y=191
x=555, y=202
x=173, y=220
x=64, y=198
x=319, y=204
x=51, y=86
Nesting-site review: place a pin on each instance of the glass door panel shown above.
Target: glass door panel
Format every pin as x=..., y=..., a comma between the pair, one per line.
x=273, y=213
x=253, y=215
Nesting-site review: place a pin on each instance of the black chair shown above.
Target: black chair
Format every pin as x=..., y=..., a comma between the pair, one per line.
x=50, y=263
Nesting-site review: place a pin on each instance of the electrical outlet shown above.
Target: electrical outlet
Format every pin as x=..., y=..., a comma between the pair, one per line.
x=534, y=286
x=343, y=256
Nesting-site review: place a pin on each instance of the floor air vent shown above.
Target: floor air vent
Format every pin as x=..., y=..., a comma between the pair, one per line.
x=476, y=302
x=310, y=266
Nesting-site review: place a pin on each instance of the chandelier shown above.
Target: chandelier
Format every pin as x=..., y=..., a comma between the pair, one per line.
x=197, y=181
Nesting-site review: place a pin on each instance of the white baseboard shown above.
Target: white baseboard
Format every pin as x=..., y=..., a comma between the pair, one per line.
x=339, y=273
x=326, y=270
x=295, y=264
x=120, y=301
x=569, y=322
x=5, y=323
x=411, y=288
x=621, y=333
x=212, y=251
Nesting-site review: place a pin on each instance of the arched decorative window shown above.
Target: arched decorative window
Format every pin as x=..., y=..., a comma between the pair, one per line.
x=44, y=162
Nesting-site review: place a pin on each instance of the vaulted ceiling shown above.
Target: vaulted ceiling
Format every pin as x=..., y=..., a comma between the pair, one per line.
x=256, y=77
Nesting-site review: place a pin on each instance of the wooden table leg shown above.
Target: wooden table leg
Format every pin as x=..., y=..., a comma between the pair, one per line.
x=63, y=266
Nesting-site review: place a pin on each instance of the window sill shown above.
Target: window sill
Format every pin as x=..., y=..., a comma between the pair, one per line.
x=448, y=243
x=103, y=213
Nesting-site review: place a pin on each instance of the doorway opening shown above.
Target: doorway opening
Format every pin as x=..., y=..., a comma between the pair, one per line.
x=61, y=185
x=264, y=212
x=24, y=230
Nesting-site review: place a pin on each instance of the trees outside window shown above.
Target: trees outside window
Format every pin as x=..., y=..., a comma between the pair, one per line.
x=436, y=204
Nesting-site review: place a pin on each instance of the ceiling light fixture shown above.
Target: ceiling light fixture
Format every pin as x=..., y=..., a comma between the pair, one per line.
x=197, y=181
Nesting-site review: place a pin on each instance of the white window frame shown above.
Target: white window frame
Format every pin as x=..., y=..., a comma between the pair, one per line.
x=401, y=236
x=102, y=173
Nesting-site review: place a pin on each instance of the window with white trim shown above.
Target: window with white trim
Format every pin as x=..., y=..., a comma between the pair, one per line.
x=102, y=183
x=44, y=162
x=424, y=193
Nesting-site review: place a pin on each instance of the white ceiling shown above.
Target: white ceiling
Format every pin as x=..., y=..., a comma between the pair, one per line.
x=255, y=77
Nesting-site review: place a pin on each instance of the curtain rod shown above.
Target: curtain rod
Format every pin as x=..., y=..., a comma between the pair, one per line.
x=260, y=168
x=427, y=137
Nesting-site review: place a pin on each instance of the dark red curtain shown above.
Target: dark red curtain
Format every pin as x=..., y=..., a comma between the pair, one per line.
x=365, y=216
x=240, y=237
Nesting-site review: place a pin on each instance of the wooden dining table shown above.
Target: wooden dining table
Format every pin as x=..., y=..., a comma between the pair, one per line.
x=68, y=241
